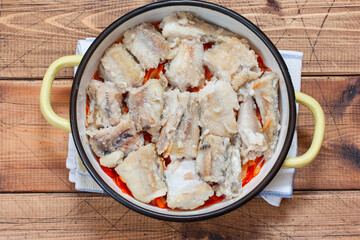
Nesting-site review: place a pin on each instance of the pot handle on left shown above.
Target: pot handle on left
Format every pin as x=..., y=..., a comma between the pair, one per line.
x=311, y=153
x=45, y=105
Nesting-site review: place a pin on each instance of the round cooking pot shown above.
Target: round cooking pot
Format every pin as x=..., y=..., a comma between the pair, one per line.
x=214, y=14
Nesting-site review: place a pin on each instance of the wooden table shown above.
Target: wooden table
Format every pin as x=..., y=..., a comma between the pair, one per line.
x=38, y=201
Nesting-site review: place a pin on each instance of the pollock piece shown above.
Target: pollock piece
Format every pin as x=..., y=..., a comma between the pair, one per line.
x=266, y=97
x=212, y=161
x=185, y=189
x=217, y=104
x=187, y=25
x=233, y=61
x=146, y=106
x=253, y=142
x=121, y=137
x=232, y=183
x=119, y=66
x=143, y=173
x=112, y=160
x=175, y=106
x=146, y=44
x=105, y=104
x=186, y=69
x=186, y=139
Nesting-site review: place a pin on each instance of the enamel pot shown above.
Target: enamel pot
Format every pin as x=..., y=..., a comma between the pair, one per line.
x=215, y=14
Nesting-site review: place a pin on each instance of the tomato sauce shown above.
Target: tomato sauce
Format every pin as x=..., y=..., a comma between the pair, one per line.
x=116, y=178
x=167, y=161
x=208, y=74
x=154, y=73
x=251, y=169
x=157, y=25
x=97, y=77
x=119, y=40
x=124, y=105
x=208, y=45
x=212, y=200
x=147, y=137
x=262, y=66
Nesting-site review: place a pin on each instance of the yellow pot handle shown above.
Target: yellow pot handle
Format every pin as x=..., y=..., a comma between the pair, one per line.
x=45, y=105
x=319, y=131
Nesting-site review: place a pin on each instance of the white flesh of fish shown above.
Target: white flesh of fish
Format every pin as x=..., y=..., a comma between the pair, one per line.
x=146, y=44
x=142, y=171
x=119, y=66
x=185, y=188
x=217, y=104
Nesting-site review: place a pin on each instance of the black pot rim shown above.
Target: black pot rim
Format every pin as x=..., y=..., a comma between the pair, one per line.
x=240, y=202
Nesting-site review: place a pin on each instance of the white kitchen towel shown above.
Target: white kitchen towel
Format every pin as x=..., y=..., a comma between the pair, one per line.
x=280, y=187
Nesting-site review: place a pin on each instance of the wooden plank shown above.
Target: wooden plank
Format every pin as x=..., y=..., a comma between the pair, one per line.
x=35, y=34
x=315, y=215
x=338, y=163
x=32, y=150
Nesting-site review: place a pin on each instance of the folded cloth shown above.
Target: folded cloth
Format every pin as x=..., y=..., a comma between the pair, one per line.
x=280, y=187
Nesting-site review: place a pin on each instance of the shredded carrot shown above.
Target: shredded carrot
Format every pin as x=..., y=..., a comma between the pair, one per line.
x=261, y=64
x=161, y=202
x=119, y=40
x=195, y=89
x=154, y=73
x=167, y=161
x=147, y=137
x=124, y=105
x=249, y=175
x=251, y=169
x=258, y=167
x=208, y=74
x=244, y=171
x=148, y=75
x=87, y=107
x=160, y=69
x=251, y=163
x=212, y=200
x=109, y=171
x=122, y=185
x=208, y=45
x=256, y=171
x=116, y=178
x=256, y=85
x=267, y=123
x=157, y=25
x=97, y=77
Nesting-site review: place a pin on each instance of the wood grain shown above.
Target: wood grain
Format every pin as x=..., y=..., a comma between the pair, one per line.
x=34, y=151
x=32, y=35
x=338, y=163
x=93, y=216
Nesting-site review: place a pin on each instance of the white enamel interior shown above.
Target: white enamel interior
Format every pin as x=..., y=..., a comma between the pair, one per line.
x=210, y=16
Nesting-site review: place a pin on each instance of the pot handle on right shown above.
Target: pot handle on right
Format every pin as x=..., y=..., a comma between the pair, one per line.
x=312, y=152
